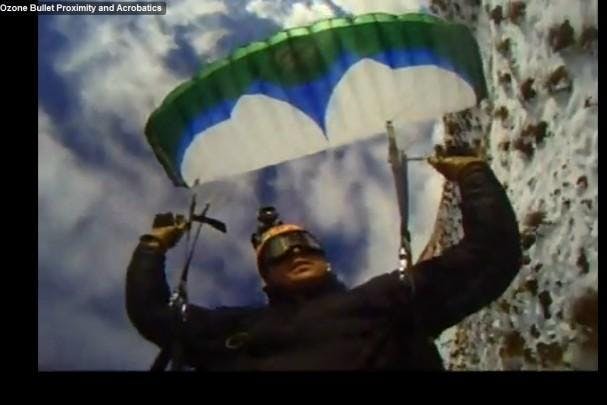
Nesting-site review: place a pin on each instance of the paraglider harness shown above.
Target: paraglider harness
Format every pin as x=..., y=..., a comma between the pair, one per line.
x=173, y=351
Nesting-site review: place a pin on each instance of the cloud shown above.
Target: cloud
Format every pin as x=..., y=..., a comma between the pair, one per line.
x=55, y=162
x=384, y=6
x=79, y=339
x=349, y=194
x=425, y=187
x=289, y=14
x=99, y=184
x=275, y=10
x=87, y=218
x=302, y=14
x=186, y=12
x=113, y=72
x=78, y=260
x=89, y=221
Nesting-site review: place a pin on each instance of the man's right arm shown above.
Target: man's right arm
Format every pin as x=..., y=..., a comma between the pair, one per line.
x=148, y=294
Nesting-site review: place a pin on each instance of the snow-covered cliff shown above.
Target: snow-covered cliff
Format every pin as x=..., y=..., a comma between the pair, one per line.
x=539, y=130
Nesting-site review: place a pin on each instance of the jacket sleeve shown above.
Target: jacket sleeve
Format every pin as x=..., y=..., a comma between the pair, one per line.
x=148, y=294
x=475, y=272
x=148, y=297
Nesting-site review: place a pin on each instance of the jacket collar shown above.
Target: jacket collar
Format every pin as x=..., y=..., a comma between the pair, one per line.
x=277, y=297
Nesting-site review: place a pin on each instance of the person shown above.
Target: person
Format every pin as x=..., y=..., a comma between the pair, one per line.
x=312, y=321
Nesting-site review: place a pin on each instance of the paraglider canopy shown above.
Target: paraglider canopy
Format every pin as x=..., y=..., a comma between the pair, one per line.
x=308, y=89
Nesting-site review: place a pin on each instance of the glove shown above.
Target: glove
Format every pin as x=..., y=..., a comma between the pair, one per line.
x=452, y=167
x=166, y=231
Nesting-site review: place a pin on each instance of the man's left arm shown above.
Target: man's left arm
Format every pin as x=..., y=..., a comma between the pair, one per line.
x=476, y=271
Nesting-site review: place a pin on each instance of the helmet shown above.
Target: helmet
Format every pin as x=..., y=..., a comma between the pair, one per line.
x=274, y=239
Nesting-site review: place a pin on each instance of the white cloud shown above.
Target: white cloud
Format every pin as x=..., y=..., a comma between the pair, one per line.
x=343, y=198
x=66, y=333
x=88, y=261
x=184, y=12
x=89, y=222
x=425, y=187
x=291, y=14
x=325, y=186
x=56, y=164
x=90, y=216
x=113, y=72
x=302, y=15
x=274, y=10
x=85, y=216
x=205, y=42
x=384, y=6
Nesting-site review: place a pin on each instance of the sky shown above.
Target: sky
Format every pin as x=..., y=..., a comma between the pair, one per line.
x=99, y=184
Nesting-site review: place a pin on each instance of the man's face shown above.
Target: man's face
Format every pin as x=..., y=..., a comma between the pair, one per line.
x=297, y=271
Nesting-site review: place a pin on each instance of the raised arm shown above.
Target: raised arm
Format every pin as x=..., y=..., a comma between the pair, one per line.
x=148, y=294
x=475, y=272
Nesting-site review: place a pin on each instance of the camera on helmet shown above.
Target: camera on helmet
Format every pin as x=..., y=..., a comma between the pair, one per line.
x=267, y=217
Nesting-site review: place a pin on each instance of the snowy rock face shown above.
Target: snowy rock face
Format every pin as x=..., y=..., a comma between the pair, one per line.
x=539, y=130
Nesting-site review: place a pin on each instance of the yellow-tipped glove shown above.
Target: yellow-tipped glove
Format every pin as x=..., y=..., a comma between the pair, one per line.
x=452, y=167
x=166, y=231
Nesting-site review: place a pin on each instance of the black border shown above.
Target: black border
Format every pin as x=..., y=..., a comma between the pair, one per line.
x=18, y=75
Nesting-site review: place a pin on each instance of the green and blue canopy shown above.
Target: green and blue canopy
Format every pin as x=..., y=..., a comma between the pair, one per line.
x=308, y=89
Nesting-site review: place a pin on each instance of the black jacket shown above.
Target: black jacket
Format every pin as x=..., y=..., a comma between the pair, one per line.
x=385, y=323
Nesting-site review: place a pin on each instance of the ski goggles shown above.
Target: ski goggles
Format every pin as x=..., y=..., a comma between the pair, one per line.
x=282, y=245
